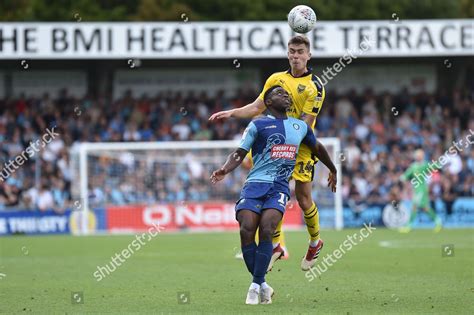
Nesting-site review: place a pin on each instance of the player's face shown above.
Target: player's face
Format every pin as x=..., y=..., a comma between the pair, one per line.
x=280, y=100
x=298, y=56
x=419, y=156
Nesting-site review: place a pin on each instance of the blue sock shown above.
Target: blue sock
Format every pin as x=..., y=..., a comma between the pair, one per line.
x=249, y=256
x=262, y=259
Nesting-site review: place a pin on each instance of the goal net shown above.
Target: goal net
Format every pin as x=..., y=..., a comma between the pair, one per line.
x=126, y=187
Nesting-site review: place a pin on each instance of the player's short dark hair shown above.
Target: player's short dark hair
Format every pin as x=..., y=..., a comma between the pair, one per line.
x=298, y=40
x=269, y=91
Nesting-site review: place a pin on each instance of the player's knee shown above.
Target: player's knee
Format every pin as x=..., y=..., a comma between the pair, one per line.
x=305, y=201
x=247, y=232
x=266, y=232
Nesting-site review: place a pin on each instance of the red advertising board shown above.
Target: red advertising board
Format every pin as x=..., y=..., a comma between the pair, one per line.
x=194, y=216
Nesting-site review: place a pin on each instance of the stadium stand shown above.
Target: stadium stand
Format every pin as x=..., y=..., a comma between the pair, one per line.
x=369, y=126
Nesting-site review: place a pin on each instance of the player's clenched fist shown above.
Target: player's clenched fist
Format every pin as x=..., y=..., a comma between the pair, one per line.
x=218, y=175
x=332, y=181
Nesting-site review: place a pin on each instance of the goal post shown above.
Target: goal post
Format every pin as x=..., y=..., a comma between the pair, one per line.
x=116, y=180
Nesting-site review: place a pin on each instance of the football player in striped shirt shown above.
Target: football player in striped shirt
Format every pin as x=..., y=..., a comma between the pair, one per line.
x=307, y=93
x=274, y=141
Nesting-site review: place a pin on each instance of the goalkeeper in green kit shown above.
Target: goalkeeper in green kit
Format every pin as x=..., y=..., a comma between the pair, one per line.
x=418, y=173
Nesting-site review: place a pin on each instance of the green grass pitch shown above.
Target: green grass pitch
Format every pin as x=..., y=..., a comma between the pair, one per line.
x=386, y=273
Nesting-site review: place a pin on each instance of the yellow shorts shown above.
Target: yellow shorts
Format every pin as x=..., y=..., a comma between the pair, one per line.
x=304, y=168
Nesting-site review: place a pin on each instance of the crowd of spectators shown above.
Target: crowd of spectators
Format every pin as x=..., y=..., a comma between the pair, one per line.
x=378, y=132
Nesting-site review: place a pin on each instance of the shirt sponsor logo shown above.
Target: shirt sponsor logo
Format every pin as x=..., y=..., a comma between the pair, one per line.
x=301, y=88
x=269, y=127
x=283, y=151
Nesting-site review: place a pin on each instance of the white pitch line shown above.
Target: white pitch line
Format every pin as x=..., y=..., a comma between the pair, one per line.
x=414, y=244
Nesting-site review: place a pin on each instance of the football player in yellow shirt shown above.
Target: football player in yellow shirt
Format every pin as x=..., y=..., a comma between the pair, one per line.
x=307, y=93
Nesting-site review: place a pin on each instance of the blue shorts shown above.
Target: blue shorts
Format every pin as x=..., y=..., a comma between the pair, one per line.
x=256, y=197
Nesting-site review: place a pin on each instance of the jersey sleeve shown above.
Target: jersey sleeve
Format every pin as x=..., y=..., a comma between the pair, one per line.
x=309, y=139
x=249, y=137
x=271, y=81
x=315, y=98
x=408, y=173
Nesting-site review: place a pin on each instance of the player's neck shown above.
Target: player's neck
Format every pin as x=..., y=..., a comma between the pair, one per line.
x=298, y=73
x=279, y=115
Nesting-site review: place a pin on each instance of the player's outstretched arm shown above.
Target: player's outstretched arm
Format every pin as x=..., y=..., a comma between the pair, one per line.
x=407, y=174
x=322, y=154
x=248, y=111
x=233, y=161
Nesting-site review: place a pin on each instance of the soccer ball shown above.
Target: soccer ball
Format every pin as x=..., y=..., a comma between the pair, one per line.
x=302, y=19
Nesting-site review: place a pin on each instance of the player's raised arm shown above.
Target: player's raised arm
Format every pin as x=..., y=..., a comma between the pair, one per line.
x=233, y=161
x=407, y=174
x=248, y=111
